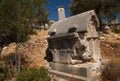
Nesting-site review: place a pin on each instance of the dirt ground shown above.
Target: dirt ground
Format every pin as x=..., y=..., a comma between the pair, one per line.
x=110, y=46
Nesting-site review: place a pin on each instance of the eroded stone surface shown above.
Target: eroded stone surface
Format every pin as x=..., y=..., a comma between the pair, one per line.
x=72, y=41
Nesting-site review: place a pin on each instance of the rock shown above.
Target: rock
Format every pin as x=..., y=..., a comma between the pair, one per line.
x=102, y=38
x=118, y=38
x=116, y=35
x=107, y=27
x=107, y=45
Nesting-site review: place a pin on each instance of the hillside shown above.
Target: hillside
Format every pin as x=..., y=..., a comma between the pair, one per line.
x=110, y=45
x=34, y=50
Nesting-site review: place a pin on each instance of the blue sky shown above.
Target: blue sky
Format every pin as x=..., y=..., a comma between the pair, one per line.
x=52, y=6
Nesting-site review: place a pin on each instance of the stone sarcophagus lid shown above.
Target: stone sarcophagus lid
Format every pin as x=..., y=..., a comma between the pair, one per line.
x=74, y=47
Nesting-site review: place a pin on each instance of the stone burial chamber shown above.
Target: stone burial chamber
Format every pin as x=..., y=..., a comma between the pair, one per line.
x=73, y=49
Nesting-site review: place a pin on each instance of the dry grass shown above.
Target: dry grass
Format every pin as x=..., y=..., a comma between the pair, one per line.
x=33, y=50
x=110, y=49
x=112, y=71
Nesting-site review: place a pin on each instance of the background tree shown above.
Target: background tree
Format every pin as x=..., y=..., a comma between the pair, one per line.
x=16, y=19
x=41, y=13
x=104, y=8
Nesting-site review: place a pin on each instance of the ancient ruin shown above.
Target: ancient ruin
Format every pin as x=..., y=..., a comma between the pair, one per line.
x=73, y=49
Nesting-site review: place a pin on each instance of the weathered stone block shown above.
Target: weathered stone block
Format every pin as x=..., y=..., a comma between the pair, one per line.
x=62, y=76
x=84, y=70
x=74, y=48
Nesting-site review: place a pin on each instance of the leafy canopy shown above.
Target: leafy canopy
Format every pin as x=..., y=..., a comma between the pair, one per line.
x=16, y=19
x=104, y=8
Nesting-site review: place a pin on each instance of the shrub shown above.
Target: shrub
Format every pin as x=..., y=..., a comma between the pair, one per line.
x=112, y=71
x=33, y=74
x=117, y=30
x=5, y=74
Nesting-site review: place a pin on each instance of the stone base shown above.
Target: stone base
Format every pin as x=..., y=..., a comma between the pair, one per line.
x=78, y=72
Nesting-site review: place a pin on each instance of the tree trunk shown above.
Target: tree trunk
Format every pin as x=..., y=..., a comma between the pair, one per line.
x=18, y=64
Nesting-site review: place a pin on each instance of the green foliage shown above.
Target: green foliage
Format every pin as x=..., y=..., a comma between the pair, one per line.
x=33, y=74
x=112, y=71
x=103, y=8
x=5, y=74
x=116, y=30
x=41, y=74
x=42, y=14
x=16, y=19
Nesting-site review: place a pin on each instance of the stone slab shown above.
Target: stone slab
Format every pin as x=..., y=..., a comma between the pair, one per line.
x=61, y=76
x=84, y=70
x=57, y=76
